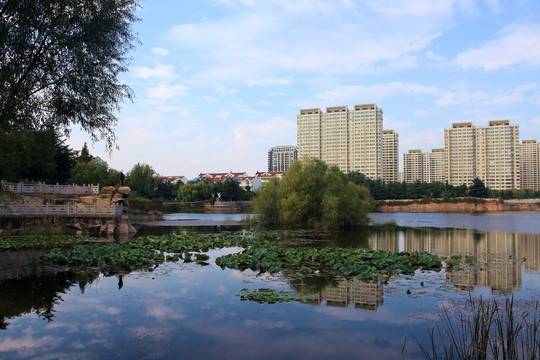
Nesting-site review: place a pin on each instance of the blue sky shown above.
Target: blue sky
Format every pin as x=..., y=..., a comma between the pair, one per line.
x=219, y=82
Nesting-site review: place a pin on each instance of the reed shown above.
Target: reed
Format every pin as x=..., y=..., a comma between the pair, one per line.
x=488, y=330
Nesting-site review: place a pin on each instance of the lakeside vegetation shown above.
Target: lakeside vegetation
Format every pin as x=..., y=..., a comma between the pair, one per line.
x=488, y=329
x=258, y=254
x=381, y=190
x=41, y=241
x=312, y=194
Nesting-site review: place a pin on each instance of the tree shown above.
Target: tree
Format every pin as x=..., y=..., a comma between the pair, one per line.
x=195, y=191
x=142, y=179
x=311, y=194
x=60, y=61
x=93, y=172
x=35, y=155
x=478, y=189
x=85, y=154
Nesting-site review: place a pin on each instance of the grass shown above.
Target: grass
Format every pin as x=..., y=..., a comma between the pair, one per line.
x=489, y=330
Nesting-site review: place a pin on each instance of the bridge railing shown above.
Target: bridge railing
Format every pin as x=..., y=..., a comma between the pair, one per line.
x=41, y=188
x=60, y=210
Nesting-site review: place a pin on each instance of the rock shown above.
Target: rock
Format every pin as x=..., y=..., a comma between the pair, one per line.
x=124, y=190
x=108, y=190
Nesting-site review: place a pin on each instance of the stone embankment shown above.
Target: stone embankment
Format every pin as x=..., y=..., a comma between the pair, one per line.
x=465, y=206
x=78, y=225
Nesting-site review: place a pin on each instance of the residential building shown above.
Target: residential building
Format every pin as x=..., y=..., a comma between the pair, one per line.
x=438, y=166
x=280, y=158
x=172, y=179
x=489, y=153
x=415, y=166
x=390, y=156
x=222, y=176
x=352, y=140
x=530, y=165
x=266, y=176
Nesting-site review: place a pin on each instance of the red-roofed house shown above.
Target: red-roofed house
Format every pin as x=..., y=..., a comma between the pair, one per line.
x=172, y=179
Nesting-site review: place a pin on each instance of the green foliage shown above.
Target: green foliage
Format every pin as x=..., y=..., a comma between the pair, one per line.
x=145, y=204
x=93, y=172
x=60, y=62
x=478, y=189
x=18, y=242
x=267, y=296
x=167, y=190
x=142, y=179
x=311, y=194
x=230, y=190
x=84, y=157
x=258, y=255
x=485, y=330
x=427, y=191
x=34, y=155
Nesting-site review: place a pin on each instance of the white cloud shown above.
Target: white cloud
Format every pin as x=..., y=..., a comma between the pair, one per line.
x=160, y=52
x=269, y=81
x=483, y=98
x=343, y=94
x=165, y=92
x=517, y=44
x=261, y=41
x=222, y=114
x=270, y=131
x=160, y=71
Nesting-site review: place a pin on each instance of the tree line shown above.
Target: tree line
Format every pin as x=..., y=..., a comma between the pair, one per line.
x=381, y=190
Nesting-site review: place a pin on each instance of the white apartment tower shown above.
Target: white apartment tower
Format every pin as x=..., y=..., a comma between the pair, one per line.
x=352, y=140
x=438, y=166
x=415, y=166
x=390, y=156
x=530, y=165
x=490, y=153
x=280, y=158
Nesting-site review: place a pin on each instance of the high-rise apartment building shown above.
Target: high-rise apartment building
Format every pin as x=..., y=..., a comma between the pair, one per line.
x=415, y=166
x=280, y=158
x=390, y=156
x=459, y=145
x=352, y=140
x=489, y=153
x=530, y=165
x=438, y=166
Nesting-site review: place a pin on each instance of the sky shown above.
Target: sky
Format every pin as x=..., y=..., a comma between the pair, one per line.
x=217, y=83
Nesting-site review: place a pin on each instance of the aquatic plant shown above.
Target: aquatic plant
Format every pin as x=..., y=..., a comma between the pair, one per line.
x=18, y=242
x=268, y=296
x=258, y=254
x=488, y=331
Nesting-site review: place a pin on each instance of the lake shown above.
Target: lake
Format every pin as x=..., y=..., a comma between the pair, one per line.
x=186, y=311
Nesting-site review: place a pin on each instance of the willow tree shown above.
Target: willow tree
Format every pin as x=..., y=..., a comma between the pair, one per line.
x=60, y=61
x=312, y=194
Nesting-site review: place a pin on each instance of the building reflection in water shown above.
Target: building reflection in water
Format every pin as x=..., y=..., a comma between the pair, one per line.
x=361, y=294
x=499, y=256
x=498, y=262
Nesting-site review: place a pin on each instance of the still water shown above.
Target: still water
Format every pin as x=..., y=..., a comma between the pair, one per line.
x=187, y=311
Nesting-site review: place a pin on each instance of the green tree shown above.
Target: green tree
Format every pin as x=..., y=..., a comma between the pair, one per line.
x=478, y=189
x=60, y=61
x=142, y=179
x=85, y=154
x=311, y=194
x=90, y=173
x=35, y=155
x=196, y=191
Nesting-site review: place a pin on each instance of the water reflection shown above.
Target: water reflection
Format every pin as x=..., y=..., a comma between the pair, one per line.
x=192, y=310
x=343, y=293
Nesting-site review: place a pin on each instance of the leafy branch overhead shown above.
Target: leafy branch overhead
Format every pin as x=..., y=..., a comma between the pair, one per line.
x=60, y=61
